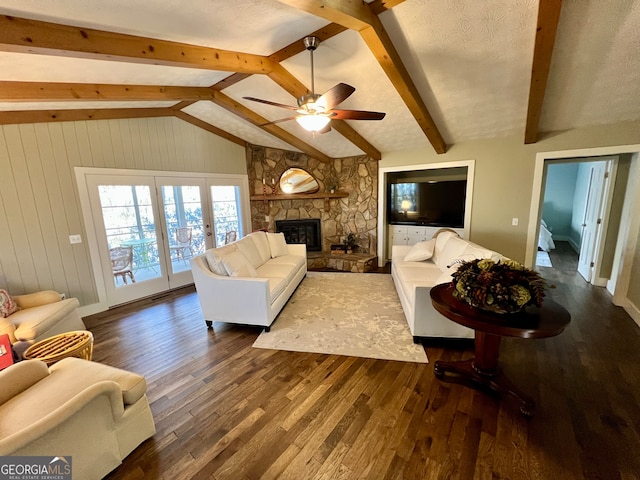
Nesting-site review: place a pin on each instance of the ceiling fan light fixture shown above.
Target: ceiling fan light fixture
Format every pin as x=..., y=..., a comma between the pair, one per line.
x=312, y=123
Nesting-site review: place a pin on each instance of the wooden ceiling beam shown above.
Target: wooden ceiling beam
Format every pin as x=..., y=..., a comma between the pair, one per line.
x=324, y=33
x=49, y=92
x=250, y=116
x=360, y=17
x=547, y=26
x=43, y=116
x=33, y=36
x=379, y=6
x=37, y=37
x=207, y=126
x=291, y=84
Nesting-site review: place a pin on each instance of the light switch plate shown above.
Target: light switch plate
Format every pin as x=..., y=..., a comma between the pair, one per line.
x=514, y=221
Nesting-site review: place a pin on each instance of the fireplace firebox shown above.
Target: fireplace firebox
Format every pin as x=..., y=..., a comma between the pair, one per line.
x=305, y=231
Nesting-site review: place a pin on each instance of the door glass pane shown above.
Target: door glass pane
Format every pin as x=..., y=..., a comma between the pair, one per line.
x=185, y=230
x=130, y=229
x=225, y=200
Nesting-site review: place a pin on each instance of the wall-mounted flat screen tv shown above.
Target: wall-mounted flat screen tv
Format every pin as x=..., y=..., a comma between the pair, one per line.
x=432, y=203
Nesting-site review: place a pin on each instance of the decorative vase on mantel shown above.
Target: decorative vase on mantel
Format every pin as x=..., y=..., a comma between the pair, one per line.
x=501, y=287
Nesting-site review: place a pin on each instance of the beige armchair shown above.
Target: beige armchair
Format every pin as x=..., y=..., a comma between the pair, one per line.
x=92, y=412
x=41, y=315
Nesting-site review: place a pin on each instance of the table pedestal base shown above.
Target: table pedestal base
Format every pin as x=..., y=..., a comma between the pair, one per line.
x=484, y=371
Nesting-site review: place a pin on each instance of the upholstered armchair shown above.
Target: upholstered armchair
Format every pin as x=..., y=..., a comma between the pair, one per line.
x=94, y=413
x=40, y=315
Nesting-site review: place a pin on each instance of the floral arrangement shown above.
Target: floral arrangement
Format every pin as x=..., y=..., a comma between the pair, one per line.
x=502, y=287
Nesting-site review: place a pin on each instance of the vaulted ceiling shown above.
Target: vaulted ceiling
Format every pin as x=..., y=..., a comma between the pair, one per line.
x=444, y=71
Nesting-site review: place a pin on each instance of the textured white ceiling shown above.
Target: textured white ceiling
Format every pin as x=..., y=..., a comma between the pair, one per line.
x=470, y=61
x=595, y=71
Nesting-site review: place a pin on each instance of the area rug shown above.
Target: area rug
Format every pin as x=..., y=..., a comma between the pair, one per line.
x=543, y=260
x=354, y=314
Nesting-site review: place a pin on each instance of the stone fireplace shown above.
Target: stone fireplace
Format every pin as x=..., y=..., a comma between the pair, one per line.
x=352, y=209
x=307, y=231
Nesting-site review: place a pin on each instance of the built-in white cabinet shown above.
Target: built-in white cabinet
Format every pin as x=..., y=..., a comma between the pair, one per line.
x=411, y=234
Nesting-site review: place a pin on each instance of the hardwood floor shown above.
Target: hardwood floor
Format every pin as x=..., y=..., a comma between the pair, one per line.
x=225, y=410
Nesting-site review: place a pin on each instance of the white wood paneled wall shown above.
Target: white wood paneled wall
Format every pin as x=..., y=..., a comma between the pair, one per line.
x=39, y=205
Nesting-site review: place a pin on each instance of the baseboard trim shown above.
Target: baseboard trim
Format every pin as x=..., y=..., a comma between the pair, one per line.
x=633, y=311
x=574, y=245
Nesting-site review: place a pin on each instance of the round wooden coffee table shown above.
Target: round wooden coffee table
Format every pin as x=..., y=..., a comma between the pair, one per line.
x=483, y=370
x=70, y=344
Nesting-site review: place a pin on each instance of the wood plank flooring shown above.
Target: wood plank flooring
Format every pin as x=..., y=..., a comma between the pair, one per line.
x=225, y=410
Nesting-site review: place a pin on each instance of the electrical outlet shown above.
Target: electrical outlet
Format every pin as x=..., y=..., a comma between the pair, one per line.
x=75, y=239
x=514, y=221
x=267, y=218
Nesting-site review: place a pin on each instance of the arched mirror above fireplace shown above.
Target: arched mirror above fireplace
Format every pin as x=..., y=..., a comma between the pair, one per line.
x=297, y=180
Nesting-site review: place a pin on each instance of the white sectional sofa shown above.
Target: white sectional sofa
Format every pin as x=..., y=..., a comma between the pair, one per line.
x=415, y=269
x=248, y=281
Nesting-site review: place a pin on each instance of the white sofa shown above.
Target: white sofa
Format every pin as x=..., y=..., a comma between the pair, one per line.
x=248, y=281
x=93, y=413
x=415, y=269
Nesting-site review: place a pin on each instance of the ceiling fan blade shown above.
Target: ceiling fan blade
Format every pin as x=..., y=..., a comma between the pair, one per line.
x=277, y=121
x=335, y=96
x=259, y=100
x=356, y=115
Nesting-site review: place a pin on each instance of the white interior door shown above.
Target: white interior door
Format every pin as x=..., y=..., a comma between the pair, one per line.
x=592, y=224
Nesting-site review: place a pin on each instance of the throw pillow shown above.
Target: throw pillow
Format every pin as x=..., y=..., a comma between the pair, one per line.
x=277, y=244
x=7, y=304
x=262, y=244
x=214, y=258
x=248, y=248
x=421, y=251
x=237, y=265
x=454, y=247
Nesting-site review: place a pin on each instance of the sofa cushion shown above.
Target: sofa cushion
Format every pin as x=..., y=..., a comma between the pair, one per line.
x=441, y=240
x=36, y=299
x=452, y=250
x=270, y=270
x=472, y=252
x=295, y=261
x=7, y=327
x=84, y=372
x=20, y=376
x=421, y=251
x=31, y=322
x=7, y=305
x=214, y=258
x=277, y=285
x=248, y=248
x=419, y=272
x=237, y=265
x=277, y=244
x=262, y=244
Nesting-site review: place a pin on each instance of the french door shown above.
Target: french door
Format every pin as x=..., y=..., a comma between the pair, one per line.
x=147, y=227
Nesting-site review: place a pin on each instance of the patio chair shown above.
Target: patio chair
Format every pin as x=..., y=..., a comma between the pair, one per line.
x=183, y=243
x=230, y=237
x=122, y=263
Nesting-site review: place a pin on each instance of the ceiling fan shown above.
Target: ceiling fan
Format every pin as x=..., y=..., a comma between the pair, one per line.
x=314, y=111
